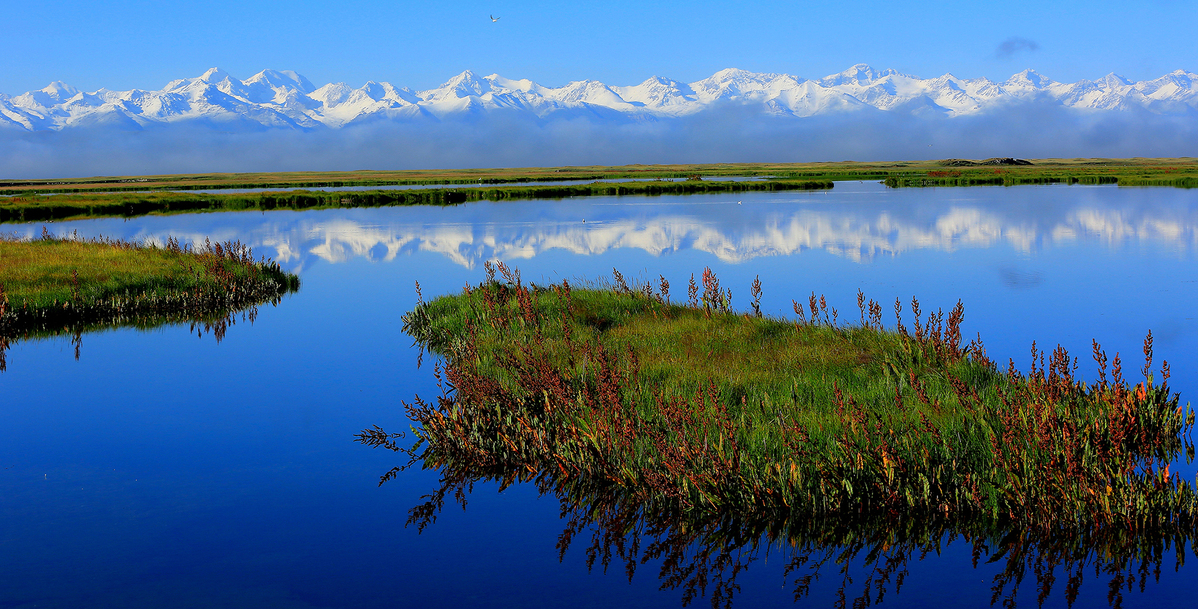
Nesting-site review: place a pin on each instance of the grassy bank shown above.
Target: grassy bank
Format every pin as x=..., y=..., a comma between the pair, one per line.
x=720, y=412
x=1178, y=173
x=45, y=208
x=60, y=285
x=1162, y=171
x=134, y=196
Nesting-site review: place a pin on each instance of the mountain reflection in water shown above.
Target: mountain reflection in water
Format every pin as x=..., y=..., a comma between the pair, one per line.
x=182, y=472
x=854, y=233
x=857, y=221
x=864, y=559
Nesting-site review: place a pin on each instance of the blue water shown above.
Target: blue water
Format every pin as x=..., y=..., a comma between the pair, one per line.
x=166, y=470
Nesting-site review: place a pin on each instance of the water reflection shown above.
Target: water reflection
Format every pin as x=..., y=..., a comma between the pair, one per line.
x=222, y=476
x=857, y=562
x=216, y=324
x=854, y=233
x=857, y=221
x=217, y=283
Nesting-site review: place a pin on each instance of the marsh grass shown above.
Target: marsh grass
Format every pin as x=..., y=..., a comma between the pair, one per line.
x=127, y=197
x=67, y=285
x=1180, y=172
x=1166, y=168
x=85, y=205
x=1177, y=173
x=715, y=411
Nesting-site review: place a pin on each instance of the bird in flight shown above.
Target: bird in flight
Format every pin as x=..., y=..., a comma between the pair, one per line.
x=494, y=18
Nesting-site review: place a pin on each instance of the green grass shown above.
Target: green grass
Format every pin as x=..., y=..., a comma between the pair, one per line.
x=1178, y=173
x=43, y=208
x=134, y=196
x=726, y=412
x=1126, y=171
x=48, y=272
x=58, y=285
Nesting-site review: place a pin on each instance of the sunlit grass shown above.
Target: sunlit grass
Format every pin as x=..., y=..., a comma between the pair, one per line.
x=128, y=204
x=52, y=285
x=720, y=410
x=1126, y=171
x=41, y=272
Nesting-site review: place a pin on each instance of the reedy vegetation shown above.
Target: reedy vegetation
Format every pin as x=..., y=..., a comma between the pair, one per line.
x=1125, y=171
x=716, y=412
x=38, y=208
x=56, y=285
x=134, y=196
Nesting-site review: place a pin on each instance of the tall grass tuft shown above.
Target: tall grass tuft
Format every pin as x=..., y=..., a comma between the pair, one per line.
x=714, y=412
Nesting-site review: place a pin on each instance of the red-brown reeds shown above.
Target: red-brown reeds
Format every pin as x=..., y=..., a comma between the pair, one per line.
x=703, y=553
x=917, y=423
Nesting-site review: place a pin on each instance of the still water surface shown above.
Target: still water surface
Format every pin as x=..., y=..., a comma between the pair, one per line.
x=166, y=470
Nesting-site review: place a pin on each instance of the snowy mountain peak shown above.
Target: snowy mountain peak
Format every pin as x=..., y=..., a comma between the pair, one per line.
x=60, y=90
x=332, y=94
x=732, y=74
x=285, y=79
x=657, y=92
x=215, y=75
x=860, y=74
x=1113, y=79
x=469, y=83
x=285, y=99
x=499, y=82
x=381, y=91
x=1030, y=78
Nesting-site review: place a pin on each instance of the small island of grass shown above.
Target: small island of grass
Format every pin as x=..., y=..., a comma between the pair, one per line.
x=57, y=285
x=699, y=409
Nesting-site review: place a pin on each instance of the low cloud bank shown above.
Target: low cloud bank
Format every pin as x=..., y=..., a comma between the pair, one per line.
x=728, y=134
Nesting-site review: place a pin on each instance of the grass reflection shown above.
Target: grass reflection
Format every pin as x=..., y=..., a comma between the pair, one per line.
x=68, y=286
x=863, y=558
x=718, y=435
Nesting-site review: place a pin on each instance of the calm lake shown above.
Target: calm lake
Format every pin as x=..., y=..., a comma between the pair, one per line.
x=166, y=470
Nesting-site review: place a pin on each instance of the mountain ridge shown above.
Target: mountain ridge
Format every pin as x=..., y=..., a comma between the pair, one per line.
x=283, y=99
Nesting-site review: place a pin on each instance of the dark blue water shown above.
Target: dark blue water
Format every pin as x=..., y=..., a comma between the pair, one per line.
x=166, y=470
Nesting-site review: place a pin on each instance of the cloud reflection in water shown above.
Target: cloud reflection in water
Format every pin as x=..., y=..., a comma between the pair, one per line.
x=861, y=233
x=859, y=222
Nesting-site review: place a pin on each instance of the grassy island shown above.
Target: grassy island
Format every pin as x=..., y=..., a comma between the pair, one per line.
x=711, y=411
x=58, y=285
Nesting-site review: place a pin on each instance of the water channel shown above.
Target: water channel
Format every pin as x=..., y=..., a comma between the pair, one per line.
x=166, y=470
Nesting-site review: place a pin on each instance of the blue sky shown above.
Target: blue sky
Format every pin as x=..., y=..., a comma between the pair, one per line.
x=144, y=44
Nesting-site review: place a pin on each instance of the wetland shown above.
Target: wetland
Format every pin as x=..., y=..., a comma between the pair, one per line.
x=168, y=471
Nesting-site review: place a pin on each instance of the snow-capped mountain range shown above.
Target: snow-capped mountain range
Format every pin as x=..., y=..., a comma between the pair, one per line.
x=287, y=100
